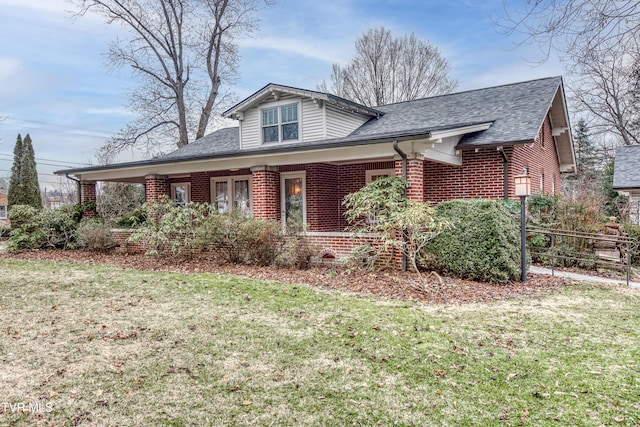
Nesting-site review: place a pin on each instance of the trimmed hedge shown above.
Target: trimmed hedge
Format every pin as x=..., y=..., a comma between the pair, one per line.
x=484, y=243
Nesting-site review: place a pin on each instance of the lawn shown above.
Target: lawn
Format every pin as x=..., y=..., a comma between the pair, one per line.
x=98, y=345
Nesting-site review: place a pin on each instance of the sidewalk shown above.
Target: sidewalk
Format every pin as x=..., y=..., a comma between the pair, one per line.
x=582, y=277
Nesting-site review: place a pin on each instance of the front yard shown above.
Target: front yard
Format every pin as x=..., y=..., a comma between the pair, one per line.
x=91, y=344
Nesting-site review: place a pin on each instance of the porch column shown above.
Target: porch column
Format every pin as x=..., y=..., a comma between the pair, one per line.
x=88, y=194
x=415, y=176
x=156, y=186
x=265, y=181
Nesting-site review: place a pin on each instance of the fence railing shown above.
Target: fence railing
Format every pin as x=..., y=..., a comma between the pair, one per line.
x=593, y=249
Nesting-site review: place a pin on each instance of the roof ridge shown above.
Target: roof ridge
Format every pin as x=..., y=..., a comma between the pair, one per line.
x=471, y=90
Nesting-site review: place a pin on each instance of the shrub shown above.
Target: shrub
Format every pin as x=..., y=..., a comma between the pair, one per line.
x=95, y=235
x=241, y=239
x=381, y=207
x=132, y=219
x=633, y=231
x=174, y=230
x=297, y=252
x=41, y=229
x=484, y=243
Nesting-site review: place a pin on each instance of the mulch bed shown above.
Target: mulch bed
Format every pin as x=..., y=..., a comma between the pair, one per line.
x=391, y=284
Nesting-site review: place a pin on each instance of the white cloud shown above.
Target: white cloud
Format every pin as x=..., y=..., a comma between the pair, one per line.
x=56, y=6
x=9, y=67
x=110, y=110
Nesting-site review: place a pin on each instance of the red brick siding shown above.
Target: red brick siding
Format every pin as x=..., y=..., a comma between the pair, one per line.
x=200, y=187
x=341, y=245
x=266, y=194
x=88, y=191
x=540, y=159
x=156, y=186
x=415, y=178
x=323, y=198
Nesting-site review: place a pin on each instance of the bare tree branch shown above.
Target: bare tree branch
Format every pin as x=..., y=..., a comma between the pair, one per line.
x=386, y=70
x=183, y=53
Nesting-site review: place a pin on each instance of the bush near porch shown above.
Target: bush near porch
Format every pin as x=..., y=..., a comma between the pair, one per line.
x=483, y=244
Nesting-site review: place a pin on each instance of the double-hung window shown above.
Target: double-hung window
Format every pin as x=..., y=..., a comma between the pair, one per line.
x=280, y=123
x=233, y=192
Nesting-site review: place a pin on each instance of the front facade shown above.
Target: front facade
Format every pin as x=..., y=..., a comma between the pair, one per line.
x=296, y=153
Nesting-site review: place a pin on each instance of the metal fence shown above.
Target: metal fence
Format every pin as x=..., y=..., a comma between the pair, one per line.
x=583, y=249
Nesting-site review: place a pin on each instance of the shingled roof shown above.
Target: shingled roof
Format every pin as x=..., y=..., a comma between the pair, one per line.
x=626, y=174
x=515, y=113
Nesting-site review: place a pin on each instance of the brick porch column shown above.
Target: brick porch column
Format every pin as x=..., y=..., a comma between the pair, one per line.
x=88, y=194
x=415, y=176
x=266, y=192
x=156, y=186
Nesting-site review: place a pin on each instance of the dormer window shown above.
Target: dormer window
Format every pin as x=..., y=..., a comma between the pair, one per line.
x=280, y=123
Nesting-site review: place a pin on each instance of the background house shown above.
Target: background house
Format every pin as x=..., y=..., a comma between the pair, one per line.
x=296, y=153
x=4, y=213
x=626, y=177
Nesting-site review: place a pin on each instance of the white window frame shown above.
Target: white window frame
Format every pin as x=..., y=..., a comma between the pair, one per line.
x=279, y=107
x=230, y=180
x=3, y=212
x=283, y=212
x=187, y=191
x=369, y=174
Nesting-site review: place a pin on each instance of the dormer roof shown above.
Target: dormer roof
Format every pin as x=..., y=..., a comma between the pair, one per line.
x=273, y=92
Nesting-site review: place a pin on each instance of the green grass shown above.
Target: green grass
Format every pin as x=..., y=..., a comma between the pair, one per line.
x=105, y=346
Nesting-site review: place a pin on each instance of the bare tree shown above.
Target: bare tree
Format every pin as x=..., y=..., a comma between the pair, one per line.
x=571, y=27
x=183, y=52
x=605, y=87
x=597, y=40
x=387, y=69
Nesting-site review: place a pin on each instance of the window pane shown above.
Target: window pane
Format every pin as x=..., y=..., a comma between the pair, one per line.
x=221, y=197
x=241, y=196
x=270, y=134
x=269, y=116
x=180, y=195
x=289, y=131
x=290, y=113
x=3, y=211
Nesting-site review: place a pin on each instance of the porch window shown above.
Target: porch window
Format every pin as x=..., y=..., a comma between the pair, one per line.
x=181, y=193
x=280, y=123
x=293, y=200
x=3, y=212
x=231, y=192
x=372, y=175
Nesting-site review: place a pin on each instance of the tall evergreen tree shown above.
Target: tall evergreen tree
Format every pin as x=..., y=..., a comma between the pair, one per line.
x=15, y=185
x=24, y=188
x=586, y=153
x=29, y=175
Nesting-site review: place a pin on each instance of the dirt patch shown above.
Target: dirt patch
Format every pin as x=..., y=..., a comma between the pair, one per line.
x=392, y=284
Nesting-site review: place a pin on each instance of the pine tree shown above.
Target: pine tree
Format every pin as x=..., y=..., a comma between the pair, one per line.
x=15, y=185
x=23, y=185
x=586, y=153
x=29, y=175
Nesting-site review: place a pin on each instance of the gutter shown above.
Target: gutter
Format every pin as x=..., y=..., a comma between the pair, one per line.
x=77, y=185
x=404, y=176
x=505, y=167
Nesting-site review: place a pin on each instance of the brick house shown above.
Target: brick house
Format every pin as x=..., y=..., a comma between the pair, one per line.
x=4, y=212
x=296, y=153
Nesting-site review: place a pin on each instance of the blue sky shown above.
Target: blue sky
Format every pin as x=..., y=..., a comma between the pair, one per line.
x=56, y=85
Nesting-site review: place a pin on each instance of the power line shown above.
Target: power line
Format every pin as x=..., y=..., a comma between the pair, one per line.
x=49, y=160
x=42, y=163
x=55, y=125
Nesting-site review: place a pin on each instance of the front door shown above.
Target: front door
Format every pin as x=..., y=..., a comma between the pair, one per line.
x=293, y=200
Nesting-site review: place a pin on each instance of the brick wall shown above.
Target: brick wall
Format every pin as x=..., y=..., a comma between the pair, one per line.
x=156, y=186
x=482, y=173
x=88, y=191
x=266, y=193
x=541, y=161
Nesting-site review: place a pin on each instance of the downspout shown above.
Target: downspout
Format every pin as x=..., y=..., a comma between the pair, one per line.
x=78, y=185
x=505, y=167
x=404, y=176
